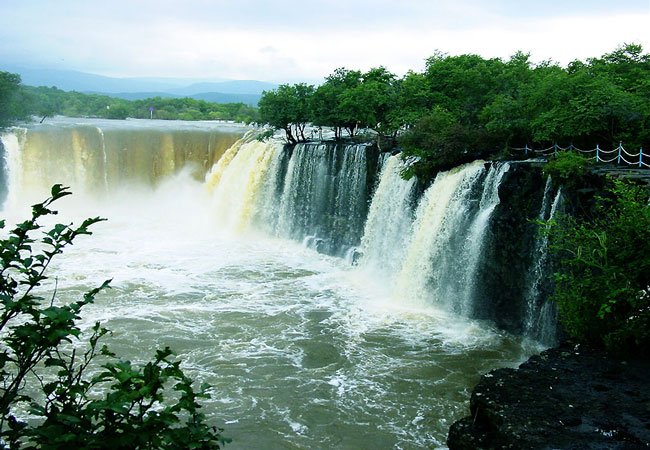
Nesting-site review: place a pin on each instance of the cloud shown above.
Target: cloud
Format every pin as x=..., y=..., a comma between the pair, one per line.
x=286, y=40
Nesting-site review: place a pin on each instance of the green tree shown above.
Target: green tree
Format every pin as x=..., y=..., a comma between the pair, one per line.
x=369, y=103
x=506, y=116
x=412, y=101
x=287, y=108
x=327, y=99
x=578, y=106
x=10, y=106
x=437, y=142
x=463, y=84
x=117, y=111
x=148, y=407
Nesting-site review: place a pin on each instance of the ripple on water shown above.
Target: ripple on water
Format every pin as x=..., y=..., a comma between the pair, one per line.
x=301, y=350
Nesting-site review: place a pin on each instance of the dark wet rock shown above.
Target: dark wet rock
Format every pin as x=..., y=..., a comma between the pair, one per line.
x=508, y=249
x=566, y=398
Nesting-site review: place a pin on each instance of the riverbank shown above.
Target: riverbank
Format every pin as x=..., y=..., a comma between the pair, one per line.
x=568, y=397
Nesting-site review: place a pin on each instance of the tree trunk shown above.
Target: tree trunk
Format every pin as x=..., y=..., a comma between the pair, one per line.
x=290, y=138
x=302, y=131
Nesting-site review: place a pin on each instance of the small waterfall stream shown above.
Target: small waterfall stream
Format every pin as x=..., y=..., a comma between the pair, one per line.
x=541, y=314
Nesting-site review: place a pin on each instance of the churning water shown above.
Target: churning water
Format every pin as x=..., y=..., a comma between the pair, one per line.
x=303, y=350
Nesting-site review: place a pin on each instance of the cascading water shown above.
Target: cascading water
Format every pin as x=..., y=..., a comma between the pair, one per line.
x=390, y=218
x=335, y=217
x=324, y=196
x=434, y=265
x=236, y=179
x=540, y=312
x=476, y=237
x=438, y=264
x=95, y=157
x=302, y=349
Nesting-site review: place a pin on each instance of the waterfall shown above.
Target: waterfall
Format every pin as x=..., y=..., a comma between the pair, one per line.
x=540, y=321
x=235, y=182
x=445, y=246
x=105, y=157
x=324, y=196
x=315, y=193
x=389, y=220
x=13, y=142
x=96, y=157
x=434, y=262
x=476, y=237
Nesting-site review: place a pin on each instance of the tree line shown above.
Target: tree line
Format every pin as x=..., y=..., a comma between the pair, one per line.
x=20, y=102
x=464, y=107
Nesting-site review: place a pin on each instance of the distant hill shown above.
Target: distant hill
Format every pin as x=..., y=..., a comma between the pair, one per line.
x=70, y=80
x=134, y=95
x=226, y=87
x=216, y=90
x=215, y=97
x=222, y=97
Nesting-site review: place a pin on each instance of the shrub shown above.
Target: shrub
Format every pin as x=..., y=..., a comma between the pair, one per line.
x=603, y=286
x=149, y=407
x=567, y=168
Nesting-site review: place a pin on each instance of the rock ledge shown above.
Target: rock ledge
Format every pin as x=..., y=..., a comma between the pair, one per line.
x=565, y=398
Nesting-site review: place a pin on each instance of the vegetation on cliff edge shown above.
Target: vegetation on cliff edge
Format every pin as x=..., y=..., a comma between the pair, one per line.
x=602, y=287
x=463, y=107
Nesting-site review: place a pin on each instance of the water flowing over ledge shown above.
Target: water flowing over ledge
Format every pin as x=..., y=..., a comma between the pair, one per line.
x=442, y=246
x=372, y=339
x=464, y=244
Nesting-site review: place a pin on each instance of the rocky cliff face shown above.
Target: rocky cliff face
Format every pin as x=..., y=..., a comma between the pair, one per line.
x=509, y=249
x=566, y=398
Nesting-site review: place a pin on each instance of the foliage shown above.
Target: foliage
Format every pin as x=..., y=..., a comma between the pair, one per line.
x=326, y=106
x=567, y=168
x=287, y=108
x=48, y=101
x=10, y=105
x=370, y=102
x=44, y=365
x=603, y=288
x=438, y=142
x=495, y=104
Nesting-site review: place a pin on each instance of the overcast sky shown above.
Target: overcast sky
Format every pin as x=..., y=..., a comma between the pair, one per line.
x=289, y=40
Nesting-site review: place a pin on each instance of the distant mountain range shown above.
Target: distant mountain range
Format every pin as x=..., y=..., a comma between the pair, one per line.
x=220, y=91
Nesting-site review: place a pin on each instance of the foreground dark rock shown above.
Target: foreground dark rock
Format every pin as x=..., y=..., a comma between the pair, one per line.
x=566, y=398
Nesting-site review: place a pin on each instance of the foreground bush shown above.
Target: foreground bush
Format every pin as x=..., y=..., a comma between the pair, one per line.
x=603, y=285
x=121, y=407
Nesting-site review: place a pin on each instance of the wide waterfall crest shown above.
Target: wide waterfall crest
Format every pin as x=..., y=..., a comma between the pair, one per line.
x=97, y=157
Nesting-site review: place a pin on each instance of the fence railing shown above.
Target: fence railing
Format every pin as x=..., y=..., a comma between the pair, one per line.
x=618, y=155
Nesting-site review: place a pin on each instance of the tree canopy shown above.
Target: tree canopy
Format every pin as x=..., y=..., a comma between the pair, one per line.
x=10, y=105
x=469, y=106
